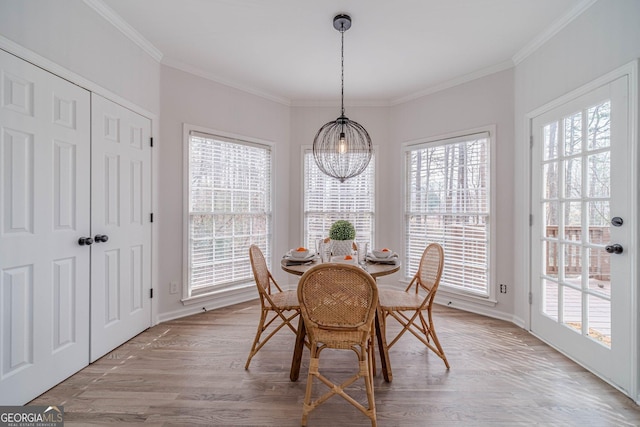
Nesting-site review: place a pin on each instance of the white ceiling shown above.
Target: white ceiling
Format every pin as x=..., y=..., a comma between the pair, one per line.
x=288, y=50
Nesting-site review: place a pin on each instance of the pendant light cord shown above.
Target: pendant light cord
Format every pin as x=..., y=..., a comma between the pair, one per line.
x=342, y=70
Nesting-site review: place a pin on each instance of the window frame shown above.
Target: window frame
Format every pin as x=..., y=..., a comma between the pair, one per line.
x=308, y=241
x=456, y=137
x=188, y=296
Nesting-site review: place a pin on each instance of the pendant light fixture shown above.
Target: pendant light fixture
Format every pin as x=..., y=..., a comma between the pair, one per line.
x=342, y=148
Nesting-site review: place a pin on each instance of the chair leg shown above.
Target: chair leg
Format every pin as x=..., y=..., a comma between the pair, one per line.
x=307, y=407
x=424, y=332
x=263, y=325
x=436, y=341
x=372, y=356
x=364, y=372
x=254, y=350
x=368, y=383
x=406, y=323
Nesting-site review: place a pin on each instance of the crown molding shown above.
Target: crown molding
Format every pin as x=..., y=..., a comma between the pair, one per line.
x=210, y=76
x=550, y=32
x=112, y=17
x=52, y=67
x=116, y=20
x=454, y=82
x=336, y=103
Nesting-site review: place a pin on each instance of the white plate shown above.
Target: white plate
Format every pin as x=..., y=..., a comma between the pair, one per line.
x=307, y=258
x=373, y=258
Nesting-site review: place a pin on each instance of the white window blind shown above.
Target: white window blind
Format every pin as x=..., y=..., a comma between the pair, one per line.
x=229, y=209
x=327, y=200
x=448, y=202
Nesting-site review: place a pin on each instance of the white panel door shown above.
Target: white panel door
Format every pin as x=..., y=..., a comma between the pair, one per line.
x=582, y=244
x=121, y=208
x=44, y=210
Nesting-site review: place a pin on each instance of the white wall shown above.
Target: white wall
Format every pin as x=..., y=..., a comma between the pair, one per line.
x=603, y=38
x=481, y=102
x=186, y=98
x=72, y=35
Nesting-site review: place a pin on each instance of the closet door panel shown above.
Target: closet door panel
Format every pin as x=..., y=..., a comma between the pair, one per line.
x=44, y=210
x=121, y=207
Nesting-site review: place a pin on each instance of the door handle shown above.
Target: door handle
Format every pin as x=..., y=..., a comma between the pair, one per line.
x=614, y=249
x=100, y=238
x=616, y=221
x=85, y=241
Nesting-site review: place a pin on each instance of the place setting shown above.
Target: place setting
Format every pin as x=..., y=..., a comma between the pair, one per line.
x=382, y=256
x=299, y=256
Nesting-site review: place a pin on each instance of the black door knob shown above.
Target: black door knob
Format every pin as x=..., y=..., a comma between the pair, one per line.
x=85, y=241
x=614, y=249
x=101, y=238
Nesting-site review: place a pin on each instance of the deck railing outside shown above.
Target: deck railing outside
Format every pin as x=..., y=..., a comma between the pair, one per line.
x=599, y=267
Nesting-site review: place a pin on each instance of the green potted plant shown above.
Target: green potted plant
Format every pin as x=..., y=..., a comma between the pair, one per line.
x=342, y=233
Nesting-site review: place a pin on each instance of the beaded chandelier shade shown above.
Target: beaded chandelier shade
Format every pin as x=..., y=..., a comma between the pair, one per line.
x=342, y=148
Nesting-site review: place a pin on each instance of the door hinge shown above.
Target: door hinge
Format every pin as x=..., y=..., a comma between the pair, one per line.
x=151, y=141
x=151, y=217
x=530, y=298
x=151, y=293
x=530, y=220
x=530, y=141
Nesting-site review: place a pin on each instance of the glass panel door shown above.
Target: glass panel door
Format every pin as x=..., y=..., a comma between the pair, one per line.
x=580, y=170
x=576, y=172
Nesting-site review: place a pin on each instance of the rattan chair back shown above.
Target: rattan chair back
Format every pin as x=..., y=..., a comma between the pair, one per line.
x=338, y=302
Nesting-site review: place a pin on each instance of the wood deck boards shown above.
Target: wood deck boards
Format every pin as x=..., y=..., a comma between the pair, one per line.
x=191, y=372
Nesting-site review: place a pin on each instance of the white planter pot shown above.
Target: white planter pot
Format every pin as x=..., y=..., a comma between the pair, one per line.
x=341, y=247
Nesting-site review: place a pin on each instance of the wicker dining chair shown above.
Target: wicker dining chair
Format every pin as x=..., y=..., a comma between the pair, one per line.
x=408, y=306
x=277, y=305
x=338, y=303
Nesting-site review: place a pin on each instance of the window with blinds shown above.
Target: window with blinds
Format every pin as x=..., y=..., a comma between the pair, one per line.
x=448, y=202
x=229, y=209
x=327, y=200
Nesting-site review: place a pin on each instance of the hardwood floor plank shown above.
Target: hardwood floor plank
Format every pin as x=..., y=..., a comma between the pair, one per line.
x=190, y=371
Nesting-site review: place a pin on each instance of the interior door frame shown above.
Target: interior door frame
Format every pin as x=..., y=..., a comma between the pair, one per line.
x=54, y=68
x=630, y=70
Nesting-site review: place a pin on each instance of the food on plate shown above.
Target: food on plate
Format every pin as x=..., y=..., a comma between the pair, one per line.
x=382, y=253
x=300, y=253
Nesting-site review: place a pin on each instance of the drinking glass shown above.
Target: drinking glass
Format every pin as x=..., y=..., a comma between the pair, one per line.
x=363, y=248
x=325, y=254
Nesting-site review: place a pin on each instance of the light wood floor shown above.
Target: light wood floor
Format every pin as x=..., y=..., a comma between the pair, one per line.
x=191, y=372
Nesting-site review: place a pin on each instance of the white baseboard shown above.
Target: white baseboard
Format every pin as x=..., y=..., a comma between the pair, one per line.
x=479, y=309
x=219, y=301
